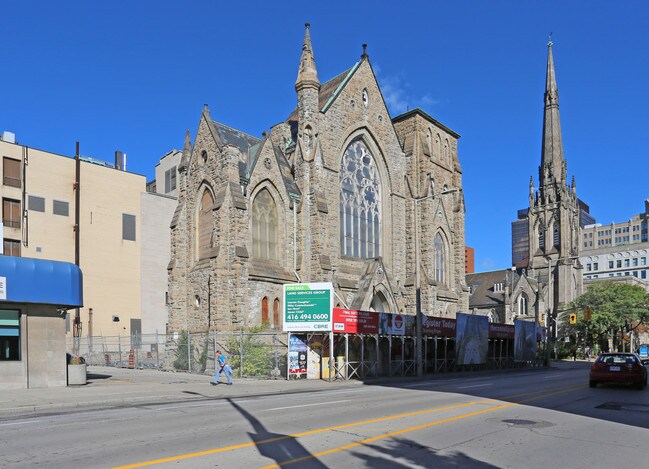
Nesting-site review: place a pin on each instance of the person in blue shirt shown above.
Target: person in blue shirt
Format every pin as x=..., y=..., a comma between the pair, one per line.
x=222, y=366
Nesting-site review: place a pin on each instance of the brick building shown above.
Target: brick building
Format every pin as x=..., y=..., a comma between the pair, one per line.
x=328, y=195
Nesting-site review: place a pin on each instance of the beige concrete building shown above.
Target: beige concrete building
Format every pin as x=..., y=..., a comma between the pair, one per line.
x=616, y=236
x=158, y=205
x=328, y=195
x=83, y=211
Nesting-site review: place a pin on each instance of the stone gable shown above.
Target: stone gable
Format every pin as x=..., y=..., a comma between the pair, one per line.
x=299, y=164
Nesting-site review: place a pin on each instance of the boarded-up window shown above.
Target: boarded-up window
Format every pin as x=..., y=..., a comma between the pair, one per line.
x=60, y=208
x=11, y=213
x=11, y=247
x=264, y=311
x=556, y=236
x=276, y=313
x=11, y=172
x=36, y=204
x=205, y=241
x=128, y=227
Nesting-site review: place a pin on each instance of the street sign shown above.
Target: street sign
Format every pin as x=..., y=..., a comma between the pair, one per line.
x=307, y=307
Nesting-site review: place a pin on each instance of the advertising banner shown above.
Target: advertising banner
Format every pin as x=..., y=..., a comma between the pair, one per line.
x=524, y=341
x=501, y=331
x=472, y=339
x=394, y=324
x=440, y=327
x=307, y=307
x=297, y=357
x=351, y=321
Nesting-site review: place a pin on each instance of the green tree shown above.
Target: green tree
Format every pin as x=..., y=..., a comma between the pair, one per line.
x=252, y=352
x=615, y=306
x=182, y=358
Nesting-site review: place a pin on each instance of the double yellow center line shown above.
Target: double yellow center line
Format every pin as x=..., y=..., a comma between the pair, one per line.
x=531, y=396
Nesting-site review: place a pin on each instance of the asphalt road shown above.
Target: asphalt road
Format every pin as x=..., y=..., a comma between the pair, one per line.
x=528, y=419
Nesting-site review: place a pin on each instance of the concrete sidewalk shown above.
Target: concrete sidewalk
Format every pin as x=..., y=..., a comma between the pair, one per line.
x=119, y=387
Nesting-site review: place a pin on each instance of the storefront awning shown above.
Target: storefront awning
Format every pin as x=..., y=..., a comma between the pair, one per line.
x=37, y=281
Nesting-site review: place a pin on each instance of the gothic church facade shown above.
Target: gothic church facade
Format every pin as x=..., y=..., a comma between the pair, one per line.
x=328, y=195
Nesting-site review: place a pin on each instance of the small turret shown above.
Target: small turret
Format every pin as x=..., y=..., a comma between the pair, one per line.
x=307, y=75
x=308, y=95
x=187, y=151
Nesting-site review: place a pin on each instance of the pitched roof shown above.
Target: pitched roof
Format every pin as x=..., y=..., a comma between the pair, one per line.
x=239, y=139
x=329, y=90
x=482, y=287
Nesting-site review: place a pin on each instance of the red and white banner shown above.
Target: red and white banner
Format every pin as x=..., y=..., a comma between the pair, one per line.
x=351, y=321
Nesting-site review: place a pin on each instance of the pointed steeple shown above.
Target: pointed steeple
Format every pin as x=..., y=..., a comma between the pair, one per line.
x=307, y=75
x=187, y=151
x=552, y=160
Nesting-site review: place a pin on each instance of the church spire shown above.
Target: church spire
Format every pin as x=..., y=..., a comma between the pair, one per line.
x=552, y=161
x=308, y=74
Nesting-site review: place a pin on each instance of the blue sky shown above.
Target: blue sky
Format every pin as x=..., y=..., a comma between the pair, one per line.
x=134, y=76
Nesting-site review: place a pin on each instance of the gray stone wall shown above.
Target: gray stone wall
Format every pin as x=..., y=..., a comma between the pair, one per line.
x=225, y=292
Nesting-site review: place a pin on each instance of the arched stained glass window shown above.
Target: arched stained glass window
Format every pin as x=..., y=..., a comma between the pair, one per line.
x=205, y=241
x=360, y=203
x=438, y=143
x=440, y=259
x=264, y=226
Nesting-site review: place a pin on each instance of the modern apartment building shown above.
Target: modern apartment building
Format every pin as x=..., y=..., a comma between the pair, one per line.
x=634, y=231
x=616, y=250
x=83, y=211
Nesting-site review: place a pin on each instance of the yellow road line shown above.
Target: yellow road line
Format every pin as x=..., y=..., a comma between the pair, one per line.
x=388, y=435
x=412, y=429
x=298, y=435
x=335, y=427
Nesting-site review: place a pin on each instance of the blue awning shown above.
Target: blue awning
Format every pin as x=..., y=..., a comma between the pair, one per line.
x=39, y=281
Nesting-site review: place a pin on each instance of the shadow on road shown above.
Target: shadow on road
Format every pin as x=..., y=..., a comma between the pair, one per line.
x=279, y=447
x=401, y=452
x=568, y=392
x=96, y=376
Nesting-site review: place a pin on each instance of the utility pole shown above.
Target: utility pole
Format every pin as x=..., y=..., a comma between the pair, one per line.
x=419, y=319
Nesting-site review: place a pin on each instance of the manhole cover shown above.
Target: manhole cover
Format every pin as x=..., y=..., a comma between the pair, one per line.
x=521, y=422
x=624, y=406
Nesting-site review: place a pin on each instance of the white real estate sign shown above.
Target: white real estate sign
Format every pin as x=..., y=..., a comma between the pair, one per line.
x=308, y=307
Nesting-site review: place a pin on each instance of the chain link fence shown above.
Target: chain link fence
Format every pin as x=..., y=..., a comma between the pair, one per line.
x=250, y=354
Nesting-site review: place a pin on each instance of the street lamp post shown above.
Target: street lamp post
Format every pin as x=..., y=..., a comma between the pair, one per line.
x=420, y=317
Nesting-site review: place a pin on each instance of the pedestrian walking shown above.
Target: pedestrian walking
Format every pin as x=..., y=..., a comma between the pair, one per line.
x=222, y=366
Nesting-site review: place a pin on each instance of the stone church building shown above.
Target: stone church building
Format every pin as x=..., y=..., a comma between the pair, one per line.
x=328, y=195
x=552, y=278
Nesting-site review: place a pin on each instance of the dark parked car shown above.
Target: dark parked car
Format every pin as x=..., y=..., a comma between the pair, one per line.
x=618, y=368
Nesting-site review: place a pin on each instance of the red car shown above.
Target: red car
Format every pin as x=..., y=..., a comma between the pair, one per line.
x=618, y=368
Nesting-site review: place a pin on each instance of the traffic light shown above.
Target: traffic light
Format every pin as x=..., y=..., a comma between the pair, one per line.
x=587, y=313
x=573, y=318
